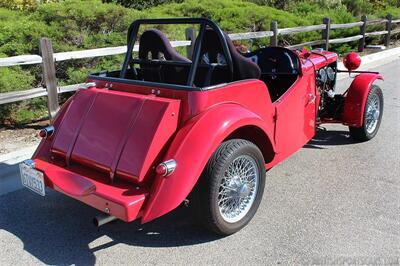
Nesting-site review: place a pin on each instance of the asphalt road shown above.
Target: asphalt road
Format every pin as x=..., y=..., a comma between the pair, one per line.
x=333, y=202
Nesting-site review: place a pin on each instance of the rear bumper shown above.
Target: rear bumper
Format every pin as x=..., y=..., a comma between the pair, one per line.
x=120, y=199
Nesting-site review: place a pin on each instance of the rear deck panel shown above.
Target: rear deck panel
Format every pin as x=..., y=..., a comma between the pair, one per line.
x=116, y=132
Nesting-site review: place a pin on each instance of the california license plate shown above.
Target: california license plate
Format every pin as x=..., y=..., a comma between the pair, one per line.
x=32, y=179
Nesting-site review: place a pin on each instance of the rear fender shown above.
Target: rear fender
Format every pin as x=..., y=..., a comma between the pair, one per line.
x=354, y=103
x=191, y=149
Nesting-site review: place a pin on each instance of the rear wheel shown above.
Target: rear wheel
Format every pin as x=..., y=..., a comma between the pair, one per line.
x=231, y=186
x=372, y=116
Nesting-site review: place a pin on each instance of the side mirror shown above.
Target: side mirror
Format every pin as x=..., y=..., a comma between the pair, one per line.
x=352, y=61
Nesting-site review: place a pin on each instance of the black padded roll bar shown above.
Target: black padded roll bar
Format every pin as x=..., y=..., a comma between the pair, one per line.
x=204, y=23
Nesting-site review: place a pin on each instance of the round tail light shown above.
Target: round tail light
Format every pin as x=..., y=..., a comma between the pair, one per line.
x=46, y=132
x=166, y=168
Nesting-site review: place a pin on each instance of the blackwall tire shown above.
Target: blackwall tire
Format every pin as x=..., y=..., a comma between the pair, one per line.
x=231, y=186
x=372, y=116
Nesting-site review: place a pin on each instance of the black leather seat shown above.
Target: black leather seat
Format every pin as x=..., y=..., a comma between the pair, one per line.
x=212, y=53
x=154, y=45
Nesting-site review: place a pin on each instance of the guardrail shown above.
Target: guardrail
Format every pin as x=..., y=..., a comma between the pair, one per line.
x=48, y=59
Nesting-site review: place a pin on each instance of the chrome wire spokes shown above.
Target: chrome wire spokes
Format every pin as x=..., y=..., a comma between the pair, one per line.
x=372, y=113
x=238, y=188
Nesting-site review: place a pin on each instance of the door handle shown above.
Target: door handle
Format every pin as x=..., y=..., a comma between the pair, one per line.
x=311, y=98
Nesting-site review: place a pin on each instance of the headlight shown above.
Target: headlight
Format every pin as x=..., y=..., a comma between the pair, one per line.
x=330, y=73
x=322, y=76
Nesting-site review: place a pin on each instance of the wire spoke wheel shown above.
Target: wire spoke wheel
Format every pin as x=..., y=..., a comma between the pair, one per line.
x=372, y=113
x=231, y=186
x=238, y=188
x=372, y=117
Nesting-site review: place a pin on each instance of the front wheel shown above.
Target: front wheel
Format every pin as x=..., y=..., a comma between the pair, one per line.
x=231, y=186
x=372, y=116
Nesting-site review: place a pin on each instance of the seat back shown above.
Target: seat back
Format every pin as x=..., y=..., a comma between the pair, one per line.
x=212, y=53
x=154, y=45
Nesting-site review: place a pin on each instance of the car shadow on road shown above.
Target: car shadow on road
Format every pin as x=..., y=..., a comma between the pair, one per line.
x=58, y=230
x=325, y=137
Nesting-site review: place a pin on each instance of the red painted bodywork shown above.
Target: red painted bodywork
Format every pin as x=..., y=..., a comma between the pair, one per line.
x=121, y=198
x=108, y=142
x=356, y=98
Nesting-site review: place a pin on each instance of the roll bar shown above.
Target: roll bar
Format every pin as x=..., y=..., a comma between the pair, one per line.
x=204, y=23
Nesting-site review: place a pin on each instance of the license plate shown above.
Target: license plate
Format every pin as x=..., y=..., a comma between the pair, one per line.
x=32, y=179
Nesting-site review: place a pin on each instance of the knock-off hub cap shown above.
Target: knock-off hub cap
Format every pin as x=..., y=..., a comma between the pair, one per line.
x=239, y=189
x=244, y=191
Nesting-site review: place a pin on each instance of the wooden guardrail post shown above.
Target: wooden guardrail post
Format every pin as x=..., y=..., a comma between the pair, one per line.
x=363, y=29
x=326, y=32
x=273, y=41
x=49, y=76
x=388, y=29
x=190, y=35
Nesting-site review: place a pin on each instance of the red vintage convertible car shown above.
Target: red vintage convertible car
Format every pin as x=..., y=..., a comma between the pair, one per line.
x=137, y=142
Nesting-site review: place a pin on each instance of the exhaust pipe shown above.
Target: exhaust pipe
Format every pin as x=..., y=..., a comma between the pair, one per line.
x=102, y=219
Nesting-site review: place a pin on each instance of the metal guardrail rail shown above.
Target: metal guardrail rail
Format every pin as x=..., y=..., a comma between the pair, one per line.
x=48, y=58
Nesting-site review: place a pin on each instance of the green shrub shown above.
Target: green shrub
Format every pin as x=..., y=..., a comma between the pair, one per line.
x=14, y=79
x=86, y=24
x=141, y=4
x=19, y=34
x=23, y=112
x=232, y=16
x=22, y=4
x=394, y=11
x=280, y=4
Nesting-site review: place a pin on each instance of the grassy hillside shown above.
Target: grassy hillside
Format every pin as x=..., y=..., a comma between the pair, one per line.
x=75, y=25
